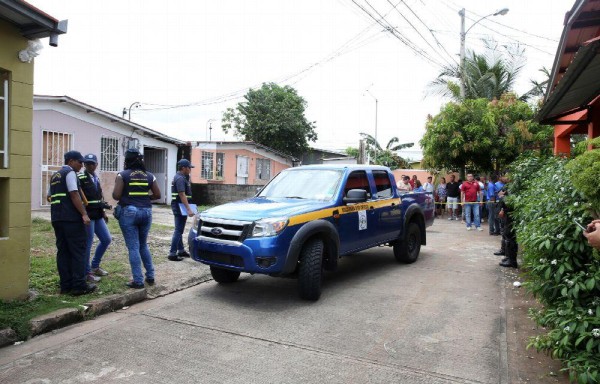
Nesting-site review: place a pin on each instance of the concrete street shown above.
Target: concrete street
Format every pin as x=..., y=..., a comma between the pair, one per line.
x=440, y=320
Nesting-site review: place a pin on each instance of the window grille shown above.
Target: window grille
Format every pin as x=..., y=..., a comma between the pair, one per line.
x=263, y=169
x=207, y=165
x=109, y=154
x=4, y=104
x=54, y=146
x=220, y=164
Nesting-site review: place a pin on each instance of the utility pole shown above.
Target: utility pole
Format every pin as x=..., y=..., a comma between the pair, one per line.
x=463, y=35
x=376, y=142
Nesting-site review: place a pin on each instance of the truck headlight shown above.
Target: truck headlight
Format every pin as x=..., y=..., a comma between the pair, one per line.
x=197, y=222
x=269, y=227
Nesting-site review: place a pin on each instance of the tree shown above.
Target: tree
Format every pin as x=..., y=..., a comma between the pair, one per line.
x=381, y=156
x=482, y=135
x=272, y=116
x=488, y=75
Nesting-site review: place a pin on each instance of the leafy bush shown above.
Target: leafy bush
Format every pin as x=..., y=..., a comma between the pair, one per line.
x=562, y=271
x=585, y=174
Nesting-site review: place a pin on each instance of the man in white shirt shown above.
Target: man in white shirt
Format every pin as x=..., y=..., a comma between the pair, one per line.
x=428, y=186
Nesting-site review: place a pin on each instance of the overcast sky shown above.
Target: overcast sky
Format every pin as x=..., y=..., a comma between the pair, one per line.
x=200, y=57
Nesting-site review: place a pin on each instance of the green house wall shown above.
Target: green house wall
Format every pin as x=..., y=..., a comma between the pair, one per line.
x=15, y=181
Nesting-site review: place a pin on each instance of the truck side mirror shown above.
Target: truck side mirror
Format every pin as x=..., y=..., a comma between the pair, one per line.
x=355, y=196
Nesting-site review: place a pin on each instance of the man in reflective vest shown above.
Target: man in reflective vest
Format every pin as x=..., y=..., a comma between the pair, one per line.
x=181, y=193
x=69, y=220
x=92, y=190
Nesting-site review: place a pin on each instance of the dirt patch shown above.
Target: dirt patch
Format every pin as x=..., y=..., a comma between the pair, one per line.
x=526, y=365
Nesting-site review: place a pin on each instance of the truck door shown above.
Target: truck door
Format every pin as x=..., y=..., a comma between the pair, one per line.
x=388, y=209
x=353, y=225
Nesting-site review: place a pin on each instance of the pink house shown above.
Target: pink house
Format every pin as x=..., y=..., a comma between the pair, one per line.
x=236, y=162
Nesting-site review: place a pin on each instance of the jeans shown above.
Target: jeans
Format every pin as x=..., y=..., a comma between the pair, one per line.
x=472, y=207
x=70, y=254
x=176, y=240
x=135, y=224
x=99, y=228
x=491, y=207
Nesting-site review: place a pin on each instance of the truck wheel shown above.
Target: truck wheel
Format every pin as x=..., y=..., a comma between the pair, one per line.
x=310, y=272
x=407, y=250
x=224, y=276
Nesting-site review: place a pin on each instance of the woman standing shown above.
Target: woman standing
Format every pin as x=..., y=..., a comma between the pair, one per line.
x=135, y=188
x=440, y=197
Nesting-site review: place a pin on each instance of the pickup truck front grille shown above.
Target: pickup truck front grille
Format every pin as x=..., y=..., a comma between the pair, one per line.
x=225, y=230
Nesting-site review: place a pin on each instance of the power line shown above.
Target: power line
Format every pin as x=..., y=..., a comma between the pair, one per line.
x=397, y=34
x=430, y=30
x=418, y=32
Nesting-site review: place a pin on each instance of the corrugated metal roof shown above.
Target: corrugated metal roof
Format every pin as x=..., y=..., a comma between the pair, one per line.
x=579, y=85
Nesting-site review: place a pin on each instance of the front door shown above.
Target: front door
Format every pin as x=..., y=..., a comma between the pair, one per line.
x=155, y=160
x=356, y=220
x=242, y=170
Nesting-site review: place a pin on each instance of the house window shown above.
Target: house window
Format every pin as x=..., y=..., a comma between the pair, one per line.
x=4, y=103
x=109, y=154
x=220, y=164
x=54, y=146
x=207, y=165
x=263, y=169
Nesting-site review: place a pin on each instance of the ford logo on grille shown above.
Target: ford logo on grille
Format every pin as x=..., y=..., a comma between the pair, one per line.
x=216, y=231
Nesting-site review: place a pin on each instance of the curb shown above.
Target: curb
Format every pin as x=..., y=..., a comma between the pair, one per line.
x=67, y=316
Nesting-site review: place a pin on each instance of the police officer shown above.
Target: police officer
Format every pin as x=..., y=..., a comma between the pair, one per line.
x=135, y=188
x=69, y=220
x=92, y=190
x=181, y=193
x=509, y=234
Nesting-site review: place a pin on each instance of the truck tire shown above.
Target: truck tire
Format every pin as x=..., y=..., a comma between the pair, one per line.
x=310, y=272
x=407, y=250
x=224, y=276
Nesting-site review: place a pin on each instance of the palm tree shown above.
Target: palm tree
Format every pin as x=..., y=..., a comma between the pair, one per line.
x=487, y=75
x=538, y=88
x=387, y=156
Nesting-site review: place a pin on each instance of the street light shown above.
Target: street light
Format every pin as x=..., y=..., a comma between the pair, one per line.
x=376, y=102
x=135, y=104
x=463, y=34
x=209, y=128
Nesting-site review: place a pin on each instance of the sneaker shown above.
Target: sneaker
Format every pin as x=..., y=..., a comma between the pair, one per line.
x=479, y=229
x=183, y=253
x=175, y=258
x=134, y=285
x=450, y=219
x=149, y=281
x=99, y=272
x=468, y=228
x=90, y=278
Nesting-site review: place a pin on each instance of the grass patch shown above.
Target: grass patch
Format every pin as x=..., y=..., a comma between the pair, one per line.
x=43, y=276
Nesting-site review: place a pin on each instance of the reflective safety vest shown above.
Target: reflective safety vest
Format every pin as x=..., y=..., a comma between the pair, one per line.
x=137, y=184
x=175, y=199
x=93, y=194
x=61, y=206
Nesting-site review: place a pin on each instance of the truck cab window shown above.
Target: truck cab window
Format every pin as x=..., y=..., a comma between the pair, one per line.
x=358, y=180
x=383, y=184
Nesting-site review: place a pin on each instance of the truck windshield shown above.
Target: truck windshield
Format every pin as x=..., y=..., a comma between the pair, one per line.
x=313, y=184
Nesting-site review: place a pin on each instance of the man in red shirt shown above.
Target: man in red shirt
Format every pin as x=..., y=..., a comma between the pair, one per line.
x=469, y=191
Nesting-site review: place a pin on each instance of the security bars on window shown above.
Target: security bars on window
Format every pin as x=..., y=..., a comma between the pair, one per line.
x=109, y=154
x=207, y=165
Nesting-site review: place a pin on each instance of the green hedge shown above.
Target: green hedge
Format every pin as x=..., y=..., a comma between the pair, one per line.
x=562, y=270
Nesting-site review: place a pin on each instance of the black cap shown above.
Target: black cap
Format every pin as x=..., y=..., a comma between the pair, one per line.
x=132, y=153
x=184, y=163
x=74, y=155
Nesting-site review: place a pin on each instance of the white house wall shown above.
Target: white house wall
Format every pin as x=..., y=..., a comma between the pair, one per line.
x=87, y=130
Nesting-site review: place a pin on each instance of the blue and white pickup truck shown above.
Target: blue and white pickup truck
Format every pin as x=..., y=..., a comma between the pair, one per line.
x=308, y=217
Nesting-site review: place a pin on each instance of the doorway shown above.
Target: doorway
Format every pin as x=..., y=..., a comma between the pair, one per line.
x=156, y=162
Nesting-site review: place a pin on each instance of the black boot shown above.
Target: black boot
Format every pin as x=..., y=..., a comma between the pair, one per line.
x=511, y=254
x=499, y=253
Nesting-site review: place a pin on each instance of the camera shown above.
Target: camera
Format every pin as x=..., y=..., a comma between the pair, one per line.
x=105, y=205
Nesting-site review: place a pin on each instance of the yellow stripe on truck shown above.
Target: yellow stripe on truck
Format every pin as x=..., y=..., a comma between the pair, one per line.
x=342, y=210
